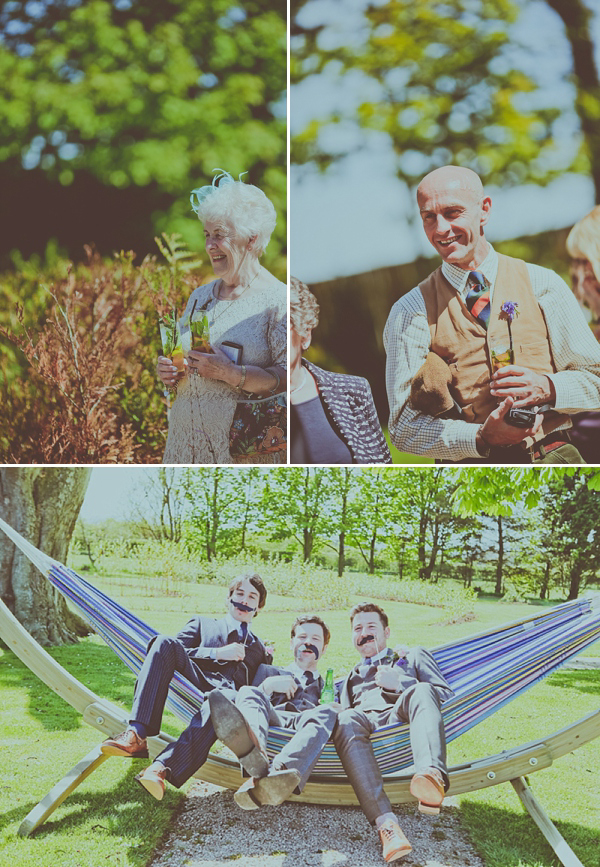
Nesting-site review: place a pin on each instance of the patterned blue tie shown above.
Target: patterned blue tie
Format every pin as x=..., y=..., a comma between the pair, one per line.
x=243, y=630
x=478, y=298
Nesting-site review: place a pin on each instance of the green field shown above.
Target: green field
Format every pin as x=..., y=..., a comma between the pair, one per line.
x=109, y=820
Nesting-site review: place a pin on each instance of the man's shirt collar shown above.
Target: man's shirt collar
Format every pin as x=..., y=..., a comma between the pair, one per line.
x=377, y=658
x=298, y=672
x=234, y=625
x=457, y=277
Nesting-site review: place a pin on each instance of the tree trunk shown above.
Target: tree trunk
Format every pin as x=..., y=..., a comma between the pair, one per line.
x=423, y=520
x=341, y=553
x=428, y=570
x=577, y=19
x=545, y=581
x=41, y=503
x=308, y=545
x=576, y=575
x=372, y=554
x=500, y=563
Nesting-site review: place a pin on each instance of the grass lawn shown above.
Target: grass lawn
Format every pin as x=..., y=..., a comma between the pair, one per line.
x=110, y=820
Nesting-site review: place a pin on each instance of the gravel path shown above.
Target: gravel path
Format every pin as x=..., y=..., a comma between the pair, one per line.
x=212, y=831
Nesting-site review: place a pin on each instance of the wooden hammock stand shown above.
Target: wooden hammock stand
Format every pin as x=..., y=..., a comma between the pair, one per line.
x=509, y=766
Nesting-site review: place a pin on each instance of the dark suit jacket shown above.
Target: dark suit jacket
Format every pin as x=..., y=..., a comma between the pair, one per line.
x=349, y=406
x=303, y=699
x=420, y=666
x=200, y=634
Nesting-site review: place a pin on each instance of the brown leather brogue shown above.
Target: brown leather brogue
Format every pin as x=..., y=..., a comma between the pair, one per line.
x=153, y=779
x=428, y=787
x=394, y=842
x=128, y=744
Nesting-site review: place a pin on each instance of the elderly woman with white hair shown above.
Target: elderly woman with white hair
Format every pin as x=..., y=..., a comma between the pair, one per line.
x=245, y=309
x=333, y=417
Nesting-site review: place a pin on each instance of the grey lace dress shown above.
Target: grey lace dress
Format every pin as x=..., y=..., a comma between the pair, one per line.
x=203, y=410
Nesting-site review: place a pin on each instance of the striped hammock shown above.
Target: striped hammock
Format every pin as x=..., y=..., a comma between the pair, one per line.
x=485, y=671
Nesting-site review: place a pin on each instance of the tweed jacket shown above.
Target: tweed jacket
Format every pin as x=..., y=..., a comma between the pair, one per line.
x=349, y=406
x=303, y=699
x=419, y=666
x=200, y=634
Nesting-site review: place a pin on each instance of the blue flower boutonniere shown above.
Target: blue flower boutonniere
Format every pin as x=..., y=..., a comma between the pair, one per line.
x=503, y=355
x=509, y=309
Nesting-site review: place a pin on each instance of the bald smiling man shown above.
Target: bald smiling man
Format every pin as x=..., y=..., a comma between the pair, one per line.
x=448, y=400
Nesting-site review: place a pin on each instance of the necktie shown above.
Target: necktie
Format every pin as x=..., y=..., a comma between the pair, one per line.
x=308, y=678
x=478, y=298
x=243, y=631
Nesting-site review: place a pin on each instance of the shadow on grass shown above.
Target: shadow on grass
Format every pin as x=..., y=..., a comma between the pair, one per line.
x=125, y=812
x=587, y=682
x=95, y=666
x=505, y=838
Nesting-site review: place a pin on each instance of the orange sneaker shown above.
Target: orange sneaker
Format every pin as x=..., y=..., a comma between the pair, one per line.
x=153, y=779
x=395, y=845
x=428, y=787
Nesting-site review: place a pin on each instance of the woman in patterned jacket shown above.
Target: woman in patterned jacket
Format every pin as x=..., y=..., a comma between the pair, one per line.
x=333, y=418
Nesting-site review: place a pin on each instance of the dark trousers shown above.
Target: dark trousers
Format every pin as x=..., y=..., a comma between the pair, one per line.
x=189, y=752
x=165, y=656
x=419, y=706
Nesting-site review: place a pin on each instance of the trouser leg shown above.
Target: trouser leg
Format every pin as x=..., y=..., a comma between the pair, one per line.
x=313, y=729
x=189, y=752
x=166, y=656
x=419, y=706
x=352, y=742
x=257, y=710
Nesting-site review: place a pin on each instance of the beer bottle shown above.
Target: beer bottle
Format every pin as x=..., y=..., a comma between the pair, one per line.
x=328, y=694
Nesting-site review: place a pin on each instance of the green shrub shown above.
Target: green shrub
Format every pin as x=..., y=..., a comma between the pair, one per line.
x=457, y=600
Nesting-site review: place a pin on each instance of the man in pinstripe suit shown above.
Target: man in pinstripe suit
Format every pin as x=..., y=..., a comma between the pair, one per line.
x=211, y=654
x=384, y=689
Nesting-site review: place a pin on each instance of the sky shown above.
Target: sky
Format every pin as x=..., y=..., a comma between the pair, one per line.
x=110, y=492
x=353, y=218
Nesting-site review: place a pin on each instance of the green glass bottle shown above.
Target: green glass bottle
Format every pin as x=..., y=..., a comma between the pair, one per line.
x=328, y=694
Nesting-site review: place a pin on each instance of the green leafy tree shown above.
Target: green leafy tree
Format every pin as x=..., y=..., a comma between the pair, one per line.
x=292, y=507
x=110, y=113
x=445, y=90
x=577, y=518
x=246, y=485
x=371, y=508
x=205, y=491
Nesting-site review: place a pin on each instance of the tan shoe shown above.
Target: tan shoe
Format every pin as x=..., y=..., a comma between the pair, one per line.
x=128, y=744
x=232, y=729
x=153, y=779
x=273, y=789
x=395, y=845
x=428, y=787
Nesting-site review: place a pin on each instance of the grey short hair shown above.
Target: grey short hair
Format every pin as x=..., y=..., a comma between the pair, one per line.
x=304, y=308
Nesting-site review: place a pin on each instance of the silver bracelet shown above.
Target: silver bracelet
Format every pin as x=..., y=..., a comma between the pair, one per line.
x=240, y=384
x=277, y=381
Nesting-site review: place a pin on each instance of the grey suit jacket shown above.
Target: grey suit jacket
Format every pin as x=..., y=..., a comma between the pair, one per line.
x=303, y=699
x=200, y=634
x=419, y=666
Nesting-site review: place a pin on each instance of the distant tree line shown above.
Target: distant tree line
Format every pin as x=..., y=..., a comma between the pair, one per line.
x=508, y=531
